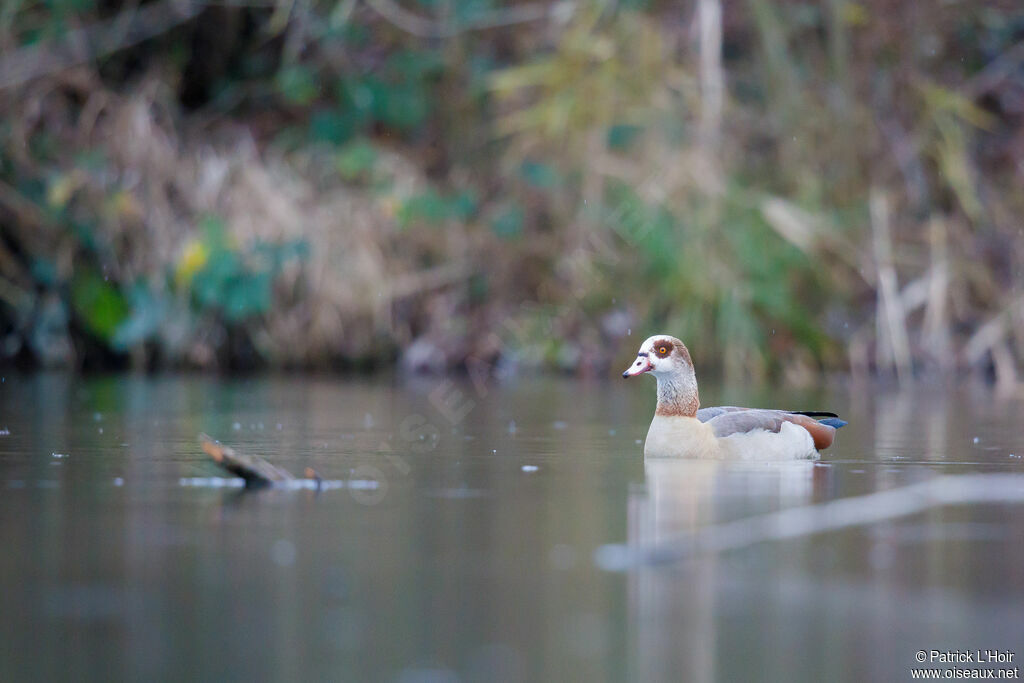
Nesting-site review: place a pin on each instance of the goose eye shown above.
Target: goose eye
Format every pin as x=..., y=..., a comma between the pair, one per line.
x=662, y=350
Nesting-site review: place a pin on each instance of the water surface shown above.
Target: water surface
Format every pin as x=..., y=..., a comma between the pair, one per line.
x=462, y=547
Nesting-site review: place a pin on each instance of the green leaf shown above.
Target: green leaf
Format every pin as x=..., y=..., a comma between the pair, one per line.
x=410, y=65
x=621, y=136
x=464, y=205
x=297, y=85
x=333, y=126
x=147, y=314
x=99, y=306
x=44, y=271
x=543, y=176
x=356, y=159
x=403, y=106
x=508, y=224
x=214, y=231
x=428, y=207
x=247, y=295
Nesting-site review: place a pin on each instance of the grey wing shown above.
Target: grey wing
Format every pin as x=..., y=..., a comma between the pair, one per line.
x=705, y=414
x=743, y=421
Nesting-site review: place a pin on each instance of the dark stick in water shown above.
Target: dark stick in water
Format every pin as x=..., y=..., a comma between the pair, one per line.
x=254, y=470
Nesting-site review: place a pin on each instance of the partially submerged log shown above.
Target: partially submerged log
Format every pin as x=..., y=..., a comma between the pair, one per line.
x=253, y=469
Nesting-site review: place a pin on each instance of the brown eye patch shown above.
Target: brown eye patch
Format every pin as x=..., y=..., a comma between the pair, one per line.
x=662, y=349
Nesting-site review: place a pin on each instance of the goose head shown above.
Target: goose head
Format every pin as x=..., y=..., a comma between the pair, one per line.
x=662, y=356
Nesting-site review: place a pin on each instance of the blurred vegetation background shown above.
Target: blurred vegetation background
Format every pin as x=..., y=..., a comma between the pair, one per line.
x=790, y=187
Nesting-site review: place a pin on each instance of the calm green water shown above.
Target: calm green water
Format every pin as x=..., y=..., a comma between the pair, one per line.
x=465, y=549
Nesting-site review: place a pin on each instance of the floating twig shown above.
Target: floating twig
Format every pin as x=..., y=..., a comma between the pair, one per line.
x=254, y=470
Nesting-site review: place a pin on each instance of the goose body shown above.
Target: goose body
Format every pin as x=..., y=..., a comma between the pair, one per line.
x=682, y=429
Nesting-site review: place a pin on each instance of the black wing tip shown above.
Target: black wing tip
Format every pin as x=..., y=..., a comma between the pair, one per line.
x=824, y=417
x=814, y=413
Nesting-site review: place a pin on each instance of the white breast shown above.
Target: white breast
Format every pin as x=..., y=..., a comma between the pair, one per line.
x=687, y=437
x=680, y=437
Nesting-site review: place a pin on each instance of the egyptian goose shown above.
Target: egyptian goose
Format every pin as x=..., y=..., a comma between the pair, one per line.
x=682, y=429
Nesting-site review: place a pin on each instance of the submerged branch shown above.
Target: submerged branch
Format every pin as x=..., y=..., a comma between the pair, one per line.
x=254, y=470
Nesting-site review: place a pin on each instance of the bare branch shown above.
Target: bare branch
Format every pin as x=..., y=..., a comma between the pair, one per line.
x=97, y=40
x=893, y=341
x=994, y=72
